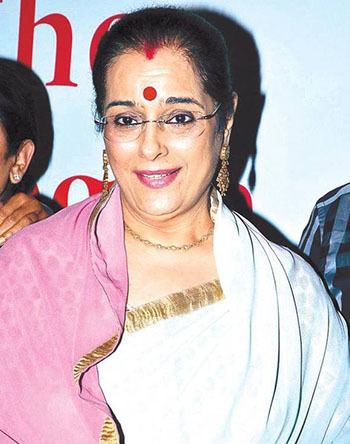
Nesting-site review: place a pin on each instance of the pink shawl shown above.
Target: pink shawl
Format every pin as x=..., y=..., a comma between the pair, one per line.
x=62, y=305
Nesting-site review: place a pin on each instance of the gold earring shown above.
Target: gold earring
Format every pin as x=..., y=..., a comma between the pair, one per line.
x=223, y=178
x=105, y=187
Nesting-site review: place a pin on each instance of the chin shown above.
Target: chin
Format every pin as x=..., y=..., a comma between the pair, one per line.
x=157, y=206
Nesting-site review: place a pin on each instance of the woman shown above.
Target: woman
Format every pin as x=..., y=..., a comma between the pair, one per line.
x=18, y=139
x=252, y=351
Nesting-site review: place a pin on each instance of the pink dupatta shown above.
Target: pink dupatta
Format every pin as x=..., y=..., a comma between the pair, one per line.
x=62, y=306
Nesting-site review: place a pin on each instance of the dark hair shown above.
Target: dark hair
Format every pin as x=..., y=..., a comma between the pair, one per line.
x=16, y=114
x=200, y=42
x=25, y=113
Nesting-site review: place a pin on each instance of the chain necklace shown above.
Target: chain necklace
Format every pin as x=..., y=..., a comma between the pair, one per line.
x=184, y=247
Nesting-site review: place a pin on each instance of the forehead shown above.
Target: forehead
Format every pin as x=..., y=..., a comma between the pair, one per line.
x=168, y=71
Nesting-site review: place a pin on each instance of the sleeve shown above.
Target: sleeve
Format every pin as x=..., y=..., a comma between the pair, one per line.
x=311, y=240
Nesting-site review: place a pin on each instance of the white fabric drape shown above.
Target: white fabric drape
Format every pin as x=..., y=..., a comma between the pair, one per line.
x=267, y=364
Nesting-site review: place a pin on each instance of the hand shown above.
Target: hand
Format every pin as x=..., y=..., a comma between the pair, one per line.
x=19, y=211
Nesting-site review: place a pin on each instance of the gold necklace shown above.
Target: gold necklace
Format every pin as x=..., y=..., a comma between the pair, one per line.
x=184, y=247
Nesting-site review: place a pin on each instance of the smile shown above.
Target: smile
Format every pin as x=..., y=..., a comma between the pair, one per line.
x=156, y=176
x=157, y=179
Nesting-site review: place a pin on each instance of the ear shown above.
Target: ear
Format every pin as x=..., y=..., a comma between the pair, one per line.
x=230, y=120
x=22, y=160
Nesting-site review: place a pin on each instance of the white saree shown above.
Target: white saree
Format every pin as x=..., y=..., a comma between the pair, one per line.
x=264, y=361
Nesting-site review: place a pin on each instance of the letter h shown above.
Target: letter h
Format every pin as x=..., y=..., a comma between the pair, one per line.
x=64, y=36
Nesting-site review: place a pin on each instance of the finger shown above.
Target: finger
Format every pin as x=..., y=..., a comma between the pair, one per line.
x=13, y=204
x=17, y=207
x=23, y=222
x=20, y=215
x=42, y=214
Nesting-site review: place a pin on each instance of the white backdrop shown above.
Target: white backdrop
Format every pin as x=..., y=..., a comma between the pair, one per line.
x=303, y=139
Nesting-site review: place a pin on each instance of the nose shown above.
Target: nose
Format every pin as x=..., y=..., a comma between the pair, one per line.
x=152, y=143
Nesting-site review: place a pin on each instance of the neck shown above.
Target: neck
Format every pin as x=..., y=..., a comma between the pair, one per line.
x=175, y=229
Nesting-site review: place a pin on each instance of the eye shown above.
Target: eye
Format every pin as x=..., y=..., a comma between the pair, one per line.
x=180, y=118
x=124, y=120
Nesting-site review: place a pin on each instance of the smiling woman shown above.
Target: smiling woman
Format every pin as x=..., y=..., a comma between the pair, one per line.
x=154, y=302
x=155, y=148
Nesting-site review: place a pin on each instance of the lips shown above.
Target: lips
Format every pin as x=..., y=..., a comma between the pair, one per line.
x=157, y=178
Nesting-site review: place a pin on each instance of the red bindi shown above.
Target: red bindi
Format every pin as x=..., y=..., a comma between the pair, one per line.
x=149, y=93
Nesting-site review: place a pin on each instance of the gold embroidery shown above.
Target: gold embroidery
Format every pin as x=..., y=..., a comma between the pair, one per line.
x=90, y=358
x=109, y=433
x=173, y=305
x=98, y=207
x=214, y=203
x=96, y=210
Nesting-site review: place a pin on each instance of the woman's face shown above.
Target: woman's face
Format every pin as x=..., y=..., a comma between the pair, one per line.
x=162, y=173
x=5, y=162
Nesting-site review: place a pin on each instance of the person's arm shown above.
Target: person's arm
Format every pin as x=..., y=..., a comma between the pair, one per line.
x=311, y=241
x=19, y=211
x=321, y=242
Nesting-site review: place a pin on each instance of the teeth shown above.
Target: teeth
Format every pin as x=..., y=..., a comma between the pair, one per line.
x=155, y=176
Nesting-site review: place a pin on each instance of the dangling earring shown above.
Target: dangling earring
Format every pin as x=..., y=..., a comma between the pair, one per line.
x=105, y=187
x=223, y=179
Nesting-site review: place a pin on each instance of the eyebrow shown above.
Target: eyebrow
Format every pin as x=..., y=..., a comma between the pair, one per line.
x=175, y=100
x=120, y=103
x=169, y=101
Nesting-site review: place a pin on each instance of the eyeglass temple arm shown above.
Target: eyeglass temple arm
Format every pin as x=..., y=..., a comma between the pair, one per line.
x=209, y=116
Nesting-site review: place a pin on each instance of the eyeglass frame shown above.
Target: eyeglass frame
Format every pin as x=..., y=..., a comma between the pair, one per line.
x=158, y=121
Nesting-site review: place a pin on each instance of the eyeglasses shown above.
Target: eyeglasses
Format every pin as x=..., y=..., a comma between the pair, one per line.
x=127, y=126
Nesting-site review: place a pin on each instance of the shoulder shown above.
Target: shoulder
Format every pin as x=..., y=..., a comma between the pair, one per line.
x=65, y=222
x=336, y=196
x=62, y=235
x=282, y=260
x=247, y=231
x=333, y=209
x=45, y=249
x=298, y=279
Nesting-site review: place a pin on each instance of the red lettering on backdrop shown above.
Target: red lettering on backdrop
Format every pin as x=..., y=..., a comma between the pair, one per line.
x=102, y=28
x=64, y=37
x=61, y=194
x=247, y=196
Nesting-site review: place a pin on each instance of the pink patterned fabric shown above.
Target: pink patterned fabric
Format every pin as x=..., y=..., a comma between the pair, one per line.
x=63, y=294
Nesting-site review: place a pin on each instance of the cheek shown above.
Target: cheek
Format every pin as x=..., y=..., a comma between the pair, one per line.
x=4, y=175
x=202, y=167
x=5, y=162
x=119, y=159
x=208, y=152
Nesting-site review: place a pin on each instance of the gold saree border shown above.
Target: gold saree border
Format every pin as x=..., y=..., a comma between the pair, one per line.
x=90, y=358
x=109, y=433
x=107, y=347
x=95, y=211
x=175, y=304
